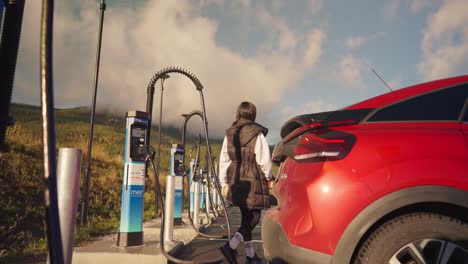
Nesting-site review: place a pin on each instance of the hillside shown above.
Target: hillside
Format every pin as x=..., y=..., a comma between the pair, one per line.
x=21, y=175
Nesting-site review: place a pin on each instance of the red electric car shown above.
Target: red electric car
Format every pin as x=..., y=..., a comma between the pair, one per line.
x=381, y=181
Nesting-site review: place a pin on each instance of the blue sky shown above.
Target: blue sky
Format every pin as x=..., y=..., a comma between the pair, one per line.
x=287, y=57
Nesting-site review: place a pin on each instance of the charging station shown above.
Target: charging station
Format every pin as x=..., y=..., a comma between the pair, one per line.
x=174, y=182
x=133, y=183
x=177, y=170
x=194, y=181
x=202, y=188
x=191, y=185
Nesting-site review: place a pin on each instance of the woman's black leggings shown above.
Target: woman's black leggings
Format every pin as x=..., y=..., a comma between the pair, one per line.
x=250, y=218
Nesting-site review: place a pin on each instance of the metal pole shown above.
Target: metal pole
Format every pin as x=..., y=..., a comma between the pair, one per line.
x=161, y=100
x=48, y=134
x=68, y=186
x=84, y=208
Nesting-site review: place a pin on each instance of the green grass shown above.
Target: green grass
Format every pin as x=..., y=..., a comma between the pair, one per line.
x=22, y=221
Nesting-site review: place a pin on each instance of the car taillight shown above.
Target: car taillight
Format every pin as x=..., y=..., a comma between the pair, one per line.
x=320, y=145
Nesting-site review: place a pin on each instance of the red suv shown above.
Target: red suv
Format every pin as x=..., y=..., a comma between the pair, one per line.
x=381, y=181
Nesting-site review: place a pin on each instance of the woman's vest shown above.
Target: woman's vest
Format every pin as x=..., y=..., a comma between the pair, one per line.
x=247, y=183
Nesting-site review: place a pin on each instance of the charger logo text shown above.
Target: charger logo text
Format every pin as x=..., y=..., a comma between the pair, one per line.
x=136, y=193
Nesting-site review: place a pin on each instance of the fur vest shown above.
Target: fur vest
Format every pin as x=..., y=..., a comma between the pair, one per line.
x=247, y=183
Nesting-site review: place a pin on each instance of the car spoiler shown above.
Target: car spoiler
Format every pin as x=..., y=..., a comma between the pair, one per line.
x=303, y=123
x=325, y=119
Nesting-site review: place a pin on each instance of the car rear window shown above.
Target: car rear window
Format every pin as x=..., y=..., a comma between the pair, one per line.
x=465, y=118
x=441, y=105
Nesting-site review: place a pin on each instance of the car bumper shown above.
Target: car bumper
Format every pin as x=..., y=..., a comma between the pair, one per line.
x=278, y=249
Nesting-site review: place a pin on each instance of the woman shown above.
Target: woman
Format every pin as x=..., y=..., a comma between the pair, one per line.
x=244, y=169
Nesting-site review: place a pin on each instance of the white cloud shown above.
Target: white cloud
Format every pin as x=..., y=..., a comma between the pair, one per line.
x=445, y=41
x=349, y=70
x=138, y=42
x=287, y=39
x=204, y=3
x=314, y=106
x=418, y=5
x=354, y=42
x=287, y=112
x=395, y=83
x=313, y=50
x=314, y=6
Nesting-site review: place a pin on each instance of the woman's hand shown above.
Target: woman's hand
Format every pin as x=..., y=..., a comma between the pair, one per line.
x=225, y=190
x=270, y=184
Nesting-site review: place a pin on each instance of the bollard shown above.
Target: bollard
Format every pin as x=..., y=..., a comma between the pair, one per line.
x=196, y=202
x=68, y=187
x=169, y=209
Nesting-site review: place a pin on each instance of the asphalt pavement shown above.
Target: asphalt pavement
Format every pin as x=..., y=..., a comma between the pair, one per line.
x=187, y=245
x=205, y=249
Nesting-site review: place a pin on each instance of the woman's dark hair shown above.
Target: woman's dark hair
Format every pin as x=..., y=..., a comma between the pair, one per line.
x=247, y=111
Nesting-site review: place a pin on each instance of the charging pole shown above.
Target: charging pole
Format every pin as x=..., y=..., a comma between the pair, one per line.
x=133, y=183
x=84, y=208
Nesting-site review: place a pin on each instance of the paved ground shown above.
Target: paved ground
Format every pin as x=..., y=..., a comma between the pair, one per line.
x=106, y=251
x=203, y=249
x=190, y=245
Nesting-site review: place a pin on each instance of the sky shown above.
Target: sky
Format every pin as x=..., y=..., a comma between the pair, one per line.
x=287, y=57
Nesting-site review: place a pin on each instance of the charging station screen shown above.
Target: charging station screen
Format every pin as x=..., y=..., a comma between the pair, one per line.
x=178, y=168
x=138, y=132
x=137, y=141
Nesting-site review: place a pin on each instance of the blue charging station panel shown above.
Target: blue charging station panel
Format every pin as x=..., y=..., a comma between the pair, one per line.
x=133, y=180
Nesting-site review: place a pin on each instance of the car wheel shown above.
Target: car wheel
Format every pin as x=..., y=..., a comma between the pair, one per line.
x=417, y=238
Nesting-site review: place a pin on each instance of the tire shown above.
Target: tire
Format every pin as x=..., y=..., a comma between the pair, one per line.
x=417, y=238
